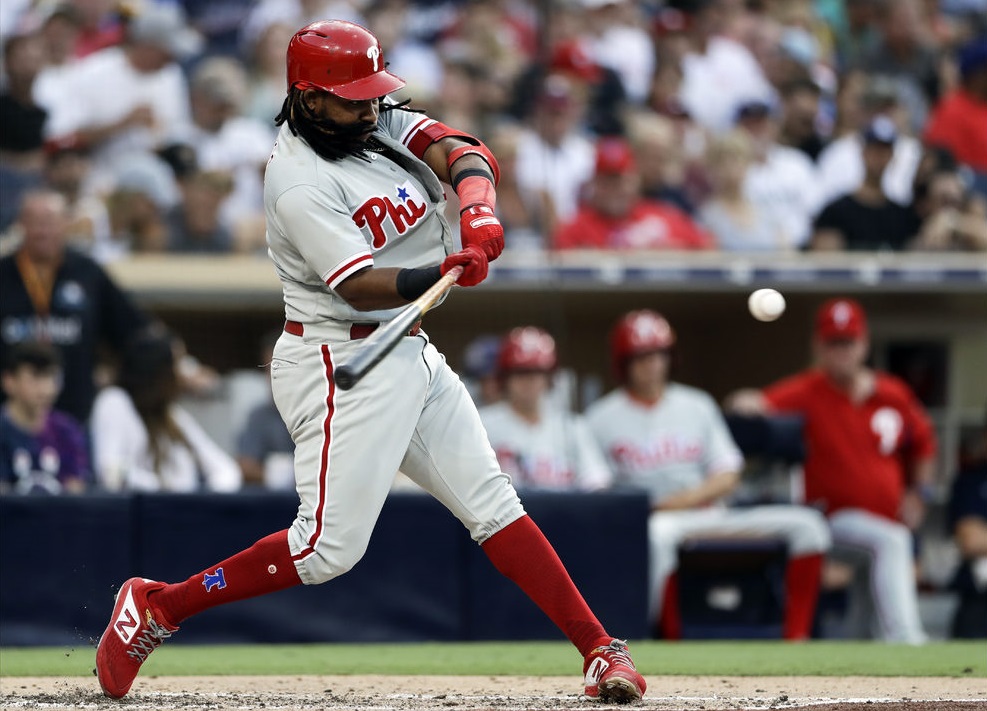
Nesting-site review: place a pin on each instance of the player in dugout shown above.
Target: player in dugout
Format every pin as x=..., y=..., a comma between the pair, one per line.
x=354, y=204
x=869, y=466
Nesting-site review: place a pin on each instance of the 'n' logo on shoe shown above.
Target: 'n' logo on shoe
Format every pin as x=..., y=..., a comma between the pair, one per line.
x=128, y=621
x=596, y=669
x=214, y=580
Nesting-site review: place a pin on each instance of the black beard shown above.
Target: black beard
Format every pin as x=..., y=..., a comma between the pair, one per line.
x=330, y=139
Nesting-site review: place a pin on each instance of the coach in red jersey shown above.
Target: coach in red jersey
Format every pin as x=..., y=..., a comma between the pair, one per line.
x=870, y=452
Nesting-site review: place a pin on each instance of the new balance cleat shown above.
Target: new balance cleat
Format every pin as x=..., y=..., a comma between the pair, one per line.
x=610, y=675
x=131, y=636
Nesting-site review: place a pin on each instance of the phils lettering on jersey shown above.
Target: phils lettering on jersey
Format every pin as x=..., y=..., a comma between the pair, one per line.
x=674, y=449
x=385, y=216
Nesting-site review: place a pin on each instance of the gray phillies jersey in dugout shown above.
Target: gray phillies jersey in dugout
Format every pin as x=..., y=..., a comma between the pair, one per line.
x=326, y=220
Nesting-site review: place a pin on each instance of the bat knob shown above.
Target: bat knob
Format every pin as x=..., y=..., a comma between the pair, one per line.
x=344, y=378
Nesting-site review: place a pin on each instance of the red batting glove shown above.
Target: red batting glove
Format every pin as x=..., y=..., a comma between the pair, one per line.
x=474, y=264
x=477, y=223
x=478, y=226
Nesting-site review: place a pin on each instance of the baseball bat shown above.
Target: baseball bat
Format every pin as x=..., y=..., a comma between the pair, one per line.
x=382, y=341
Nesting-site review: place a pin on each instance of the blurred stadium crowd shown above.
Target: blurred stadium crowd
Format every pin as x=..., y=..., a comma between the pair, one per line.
x=688, y=124
x=733, y=125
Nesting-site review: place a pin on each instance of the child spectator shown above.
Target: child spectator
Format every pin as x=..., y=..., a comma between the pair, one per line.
x=42, y=450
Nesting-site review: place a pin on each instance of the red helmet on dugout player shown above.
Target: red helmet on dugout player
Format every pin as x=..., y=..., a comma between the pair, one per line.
x=637, y=333
x=527, y=348
x=340, y=57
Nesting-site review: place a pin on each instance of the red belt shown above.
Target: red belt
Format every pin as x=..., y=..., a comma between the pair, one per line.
x=357, y=330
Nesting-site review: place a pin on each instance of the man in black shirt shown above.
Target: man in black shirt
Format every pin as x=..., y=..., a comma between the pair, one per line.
x=54, y=294
x=866, y=219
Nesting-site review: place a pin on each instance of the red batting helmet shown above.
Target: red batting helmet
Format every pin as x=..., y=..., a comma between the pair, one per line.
x=637, y=333
x=527, y=348
x=340, y=57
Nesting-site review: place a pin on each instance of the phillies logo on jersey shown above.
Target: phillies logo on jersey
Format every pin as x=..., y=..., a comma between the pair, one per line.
x=888, y=424
x=401, y=212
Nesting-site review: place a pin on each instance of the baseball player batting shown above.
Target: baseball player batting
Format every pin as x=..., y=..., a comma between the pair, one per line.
x=355, y=228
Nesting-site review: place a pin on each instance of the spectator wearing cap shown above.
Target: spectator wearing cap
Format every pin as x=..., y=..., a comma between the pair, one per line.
x=840, y=166
x=870, y=462
x=128, y=99
x=781, y=181
x=605, y=94
x=866, y=219
x=144, y=192
x=959, y=121
x=540, y=443
x=616, y=216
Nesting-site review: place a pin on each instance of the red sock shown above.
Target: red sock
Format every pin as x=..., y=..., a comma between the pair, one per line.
x=801, y=594
x=521, y=552
x=265, y=567
x=669, y=618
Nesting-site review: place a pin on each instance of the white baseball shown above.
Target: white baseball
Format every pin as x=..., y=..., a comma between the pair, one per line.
x=766, y=304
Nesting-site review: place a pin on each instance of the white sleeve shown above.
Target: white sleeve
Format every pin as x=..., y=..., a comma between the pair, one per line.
x=721, y=452
x=592, y=470
x=321, y=228
x=221, y=472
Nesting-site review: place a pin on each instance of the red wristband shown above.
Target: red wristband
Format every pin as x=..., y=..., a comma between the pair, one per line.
x=476, y=190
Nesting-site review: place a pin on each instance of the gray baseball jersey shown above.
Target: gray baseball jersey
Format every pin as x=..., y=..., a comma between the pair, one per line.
x=672, y=446
x=665, y=448
x=326, y=221
x=558, y=452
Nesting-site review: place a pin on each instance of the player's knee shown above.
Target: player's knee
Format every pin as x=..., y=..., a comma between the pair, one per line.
x=817, y=535
x=328, y=563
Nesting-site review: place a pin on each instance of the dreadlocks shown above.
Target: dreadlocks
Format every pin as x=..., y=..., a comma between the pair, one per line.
x=328, y=138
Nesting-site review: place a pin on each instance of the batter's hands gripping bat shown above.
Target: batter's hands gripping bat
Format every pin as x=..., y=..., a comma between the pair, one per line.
x=382, y=341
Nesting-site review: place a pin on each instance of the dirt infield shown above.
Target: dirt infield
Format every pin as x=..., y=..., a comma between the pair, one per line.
x=380, y=693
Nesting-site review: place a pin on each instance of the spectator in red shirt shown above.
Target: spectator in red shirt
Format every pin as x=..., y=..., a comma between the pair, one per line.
x=870, y=452
x=959, y=121
x=615, y=215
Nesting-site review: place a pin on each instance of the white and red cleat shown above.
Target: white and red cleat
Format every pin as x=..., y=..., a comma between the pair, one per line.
x=610, y=675
x=133, y=633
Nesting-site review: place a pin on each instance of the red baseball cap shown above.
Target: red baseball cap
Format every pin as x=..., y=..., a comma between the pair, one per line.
x=614, y=156
x=569, y=57
x=841, y=320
